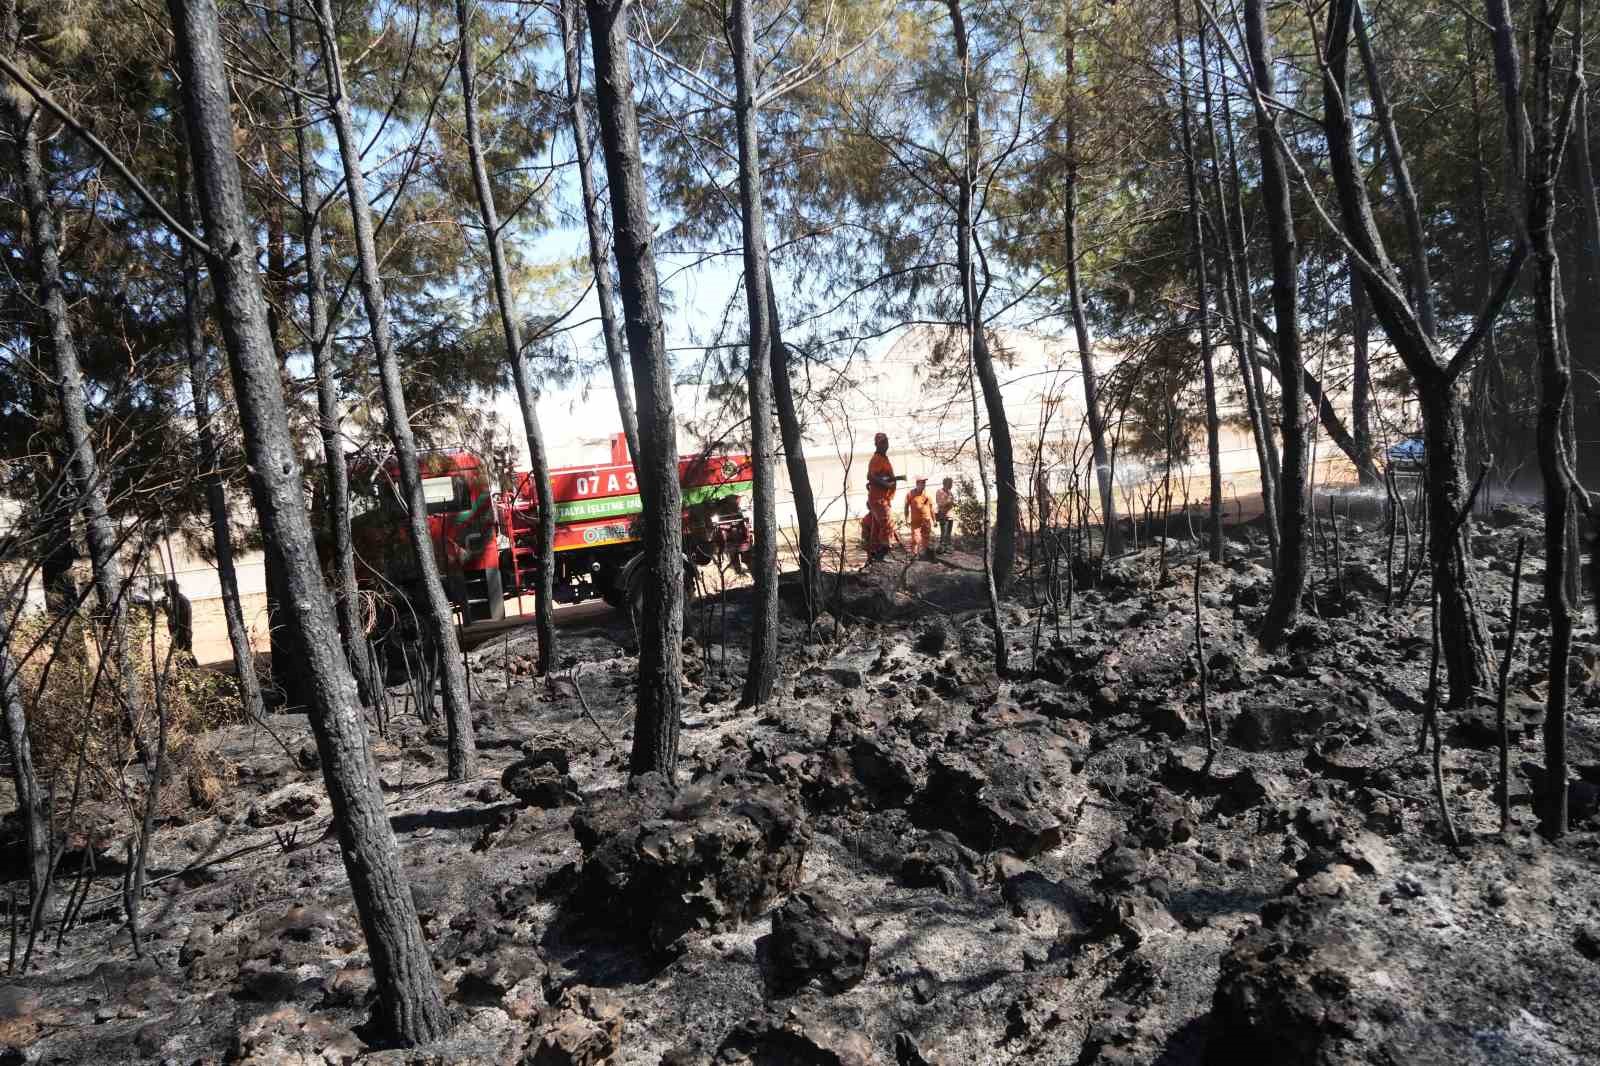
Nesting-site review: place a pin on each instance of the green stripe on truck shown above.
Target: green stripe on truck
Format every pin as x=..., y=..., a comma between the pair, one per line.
x=614, y=506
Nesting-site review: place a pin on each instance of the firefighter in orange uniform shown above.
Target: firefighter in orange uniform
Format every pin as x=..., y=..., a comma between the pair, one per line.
x=879, y=523
x=919, y=516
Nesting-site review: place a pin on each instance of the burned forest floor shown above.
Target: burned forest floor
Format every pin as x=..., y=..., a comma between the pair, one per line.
x=903, y=857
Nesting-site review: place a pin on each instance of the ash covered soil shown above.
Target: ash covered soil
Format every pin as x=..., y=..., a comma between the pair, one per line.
x=905, y=858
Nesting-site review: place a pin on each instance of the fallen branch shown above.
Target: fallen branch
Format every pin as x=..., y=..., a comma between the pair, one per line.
x=587, y=713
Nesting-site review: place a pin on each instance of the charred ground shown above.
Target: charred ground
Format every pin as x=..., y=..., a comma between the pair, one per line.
x=905, y=858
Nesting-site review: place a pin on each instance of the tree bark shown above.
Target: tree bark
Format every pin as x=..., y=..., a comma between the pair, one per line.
x=527, y=399
x=763, y=668
x=1337, y=431
x=437, y=617
x=1197, y=242
x=1006, y=499
x=335, y=467
x=32, y=805
x=1237, y=302
x=1091, y=381
x=1104, y=475
x=53, y=330
x=1488, y=378
x=655, y=736
x=1289, y=576
x=244, y=656
x=794, y=457
x=410, y=1007
x=1437, y=379
x=599, y=262
x=1246, y=311
x=972, y=323
x=1361, y=381
x=1555, y=399
x=1405, y=191
x=1583, y=314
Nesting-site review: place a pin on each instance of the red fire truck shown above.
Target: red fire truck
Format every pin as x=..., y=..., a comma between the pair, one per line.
x=486, y=541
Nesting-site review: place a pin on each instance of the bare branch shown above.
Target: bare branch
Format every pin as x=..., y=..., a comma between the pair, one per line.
x=46, y=101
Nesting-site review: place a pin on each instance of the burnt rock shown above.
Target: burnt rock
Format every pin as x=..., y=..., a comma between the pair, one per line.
x=908, y=1053
x=1169, y=717
x=1162, y=818
x=847, y=675
x=305, y=924
x=1253, y=788
x=547, y=755
x=288, y=1034
x=583, y=1028
x=1364, y=580
x=1319, y=824
x=1515, y=516
x=488, y=979
x=291, y=803
x=862, y=769
x=1478, y=726
x=942, y=862
x=1269, y=726
x=658, y=867
x=884, y=771
x=1120, y=866
x=1035, y=1013
x=1587, y=941
x=1036, y=900
x=813, y=939
x=794, y=1040
x=994, y=808
x=1308, y=637
x=933, y=637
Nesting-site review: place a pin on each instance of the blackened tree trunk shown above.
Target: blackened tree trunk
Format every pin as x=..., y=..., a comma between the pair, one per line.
x=763, y=668
x=1236, y=292
x=410, y=1007
x=32, y=806
x=794, y=457
x=1555, y=400
x=1421, y=276
x=1327, y=414
x=655, y=735
x=1093, y=411
x=335, y=467
x=287, y=679
x=1091, y=381
x=244, y=657
x=599, y=262
x=1246, y=312
x=1289, y=576
x=972, y=324
x=53, y=332
x=527, y=400
x=1005, y=476
x=436, y=614
x=1583, y=312
x=1197, y=241
x=1437, y=378
x=60, y=555
x=1361, y=380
